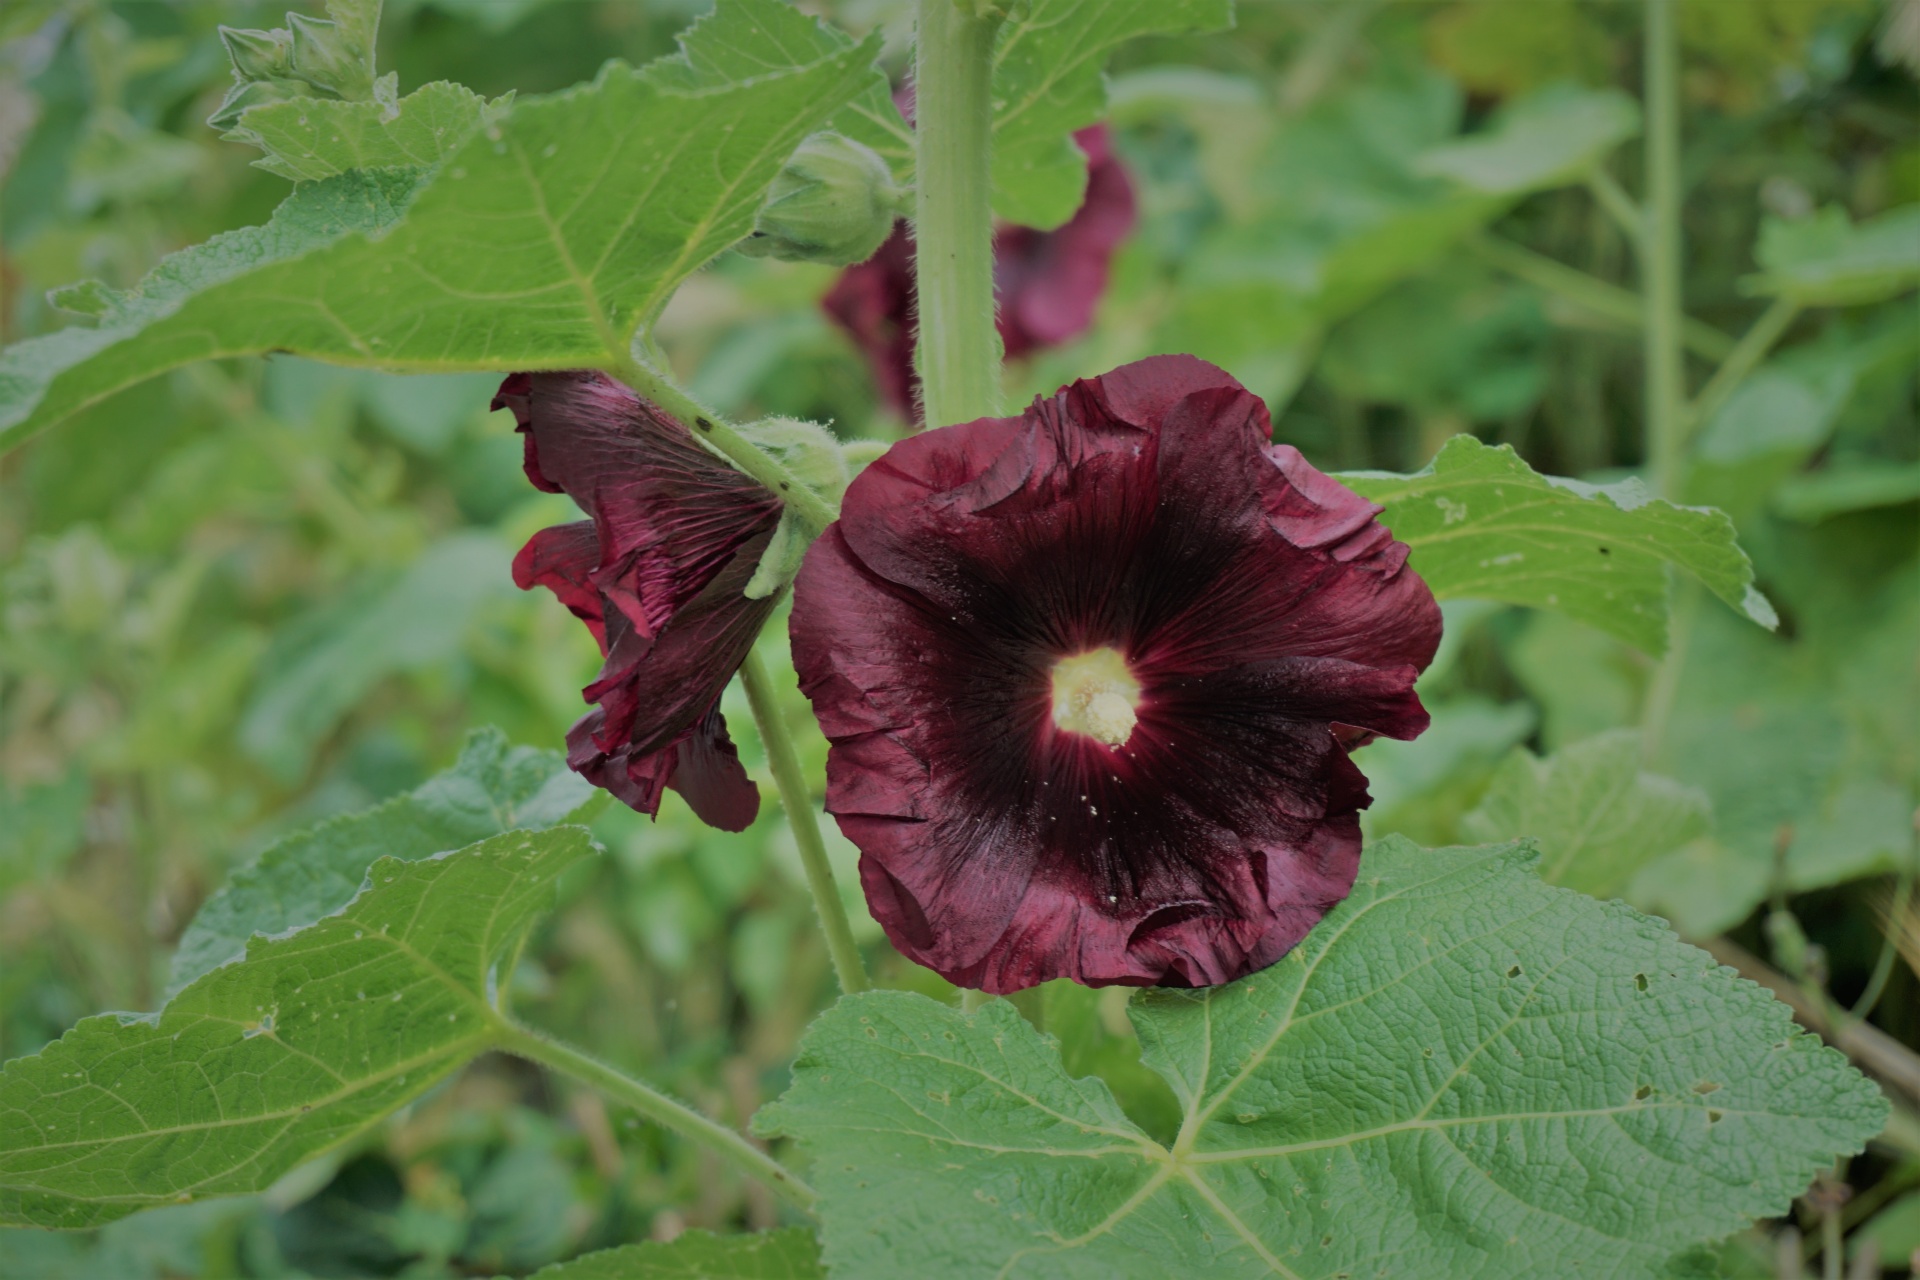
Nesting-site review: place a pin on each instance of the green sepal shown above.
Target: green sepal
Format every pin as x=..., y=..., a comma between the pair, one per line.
x=834, y=202
x=258, y=55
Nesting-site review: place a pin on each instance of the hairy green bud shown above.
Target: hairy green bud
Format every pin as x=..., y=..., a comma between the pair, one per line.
x=835, y=202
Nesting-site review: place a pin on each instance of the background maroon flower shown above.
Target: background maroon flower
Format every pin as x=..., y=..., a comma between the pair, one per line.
x=1087, y=674
x=1046, y=283
x=657, y=575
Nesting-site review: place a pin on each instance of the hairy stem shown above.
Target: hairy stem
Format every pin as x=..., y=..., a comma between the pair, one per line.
x=1607, y=301
x=797, y=799
x=1660, y=261
x=535, y=1046
x=718, y=435
x=953, y=213
x=1741, y=361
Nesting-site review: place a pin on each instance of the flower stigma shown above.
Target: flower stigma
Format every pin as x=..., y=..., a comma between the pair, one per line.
x=1095, y=693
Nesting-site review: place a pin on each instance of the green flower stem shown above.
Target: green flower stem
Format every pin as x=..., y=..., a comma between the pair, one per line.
x=797, y=799
x=1741, y=361
x=719, y=435
x=1618, y=205
x=953, y=218
x=1666, y=393
x=1608, y=301
x=534, y=1046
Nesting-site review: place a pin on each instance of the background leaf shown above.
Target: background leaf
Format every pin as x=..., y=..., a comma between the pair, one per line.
x=1483, y=524
x=1596, y=815
x=1436, y=1080
x=493, y=788
x=1827, y=260
x=261, y=1064
x=1544, y=140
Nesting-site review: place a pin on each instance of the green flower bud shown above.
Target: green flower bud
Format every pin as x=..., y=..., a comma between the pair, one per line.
x=835, y=202
x=258, y=55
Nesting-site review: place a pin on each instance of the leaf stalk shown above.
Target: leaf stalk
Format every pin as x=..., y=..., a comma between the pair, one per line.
x=1666, y=395
x=797, y=799
x=535, y=1046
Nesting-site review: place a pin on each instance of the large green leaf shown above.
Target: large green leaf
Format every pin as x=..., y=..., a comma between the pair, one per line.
x=1597, y=816
x=493, y=788
x=1461, y=1071
x=259, y=1065
x=307, y=139
x=1483, y=524
x=1048, y=82
x=543, y=242
x=792, y=1254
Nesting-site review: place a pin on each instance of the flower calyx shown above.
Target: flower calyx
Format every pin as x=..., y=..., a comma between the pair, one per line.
x=328, y=57
x=834, y=202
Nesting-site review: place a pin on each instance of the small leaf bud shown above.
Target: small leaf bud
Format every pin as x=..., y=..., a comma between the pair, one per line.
x=834, y=202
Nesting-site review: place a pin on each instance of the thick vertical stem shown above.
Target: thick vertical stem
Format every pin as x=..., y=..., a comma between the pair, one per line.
x=953, y=214
x=797, y=799
x=1660, y=257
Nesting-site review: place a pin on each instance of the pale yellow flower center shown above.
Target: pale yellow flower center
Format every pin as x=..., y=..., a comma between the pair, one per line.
x=1095, y=693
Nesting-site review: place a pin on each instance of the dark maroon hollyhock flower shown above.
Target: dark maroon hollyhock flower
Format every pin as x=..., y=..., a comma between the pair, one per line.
x=1090, y=676
x=1046, y=283
x=657, y=575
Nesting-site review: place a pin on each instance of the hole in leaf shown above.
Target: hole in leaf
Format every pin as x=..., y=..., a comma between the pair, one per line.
x=1713, y=1117
x=1640, y=981
x=1514, y=972
x=1644, y=1092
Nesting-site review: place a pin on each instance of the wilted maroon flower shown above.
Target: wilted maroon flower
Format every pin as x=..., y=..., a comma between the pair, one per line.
x=1090, y=676
x=657, y=576
x=1046, y=283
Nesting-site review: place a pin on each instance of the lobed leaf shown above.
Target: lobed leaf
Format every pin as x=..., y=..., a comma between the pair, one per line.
x=260, y=1065
x=308, y=139
x=1048, y=82
x=1462, y=1071
x=491, y=789
x=791, y=1254
x=1483, y=524
x=544, y=241
x=1597, y=817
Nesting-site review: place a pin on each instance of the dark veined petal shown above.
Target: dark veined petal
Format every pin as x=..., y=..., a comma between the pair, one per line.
x=658, y=576
x=1201, y=814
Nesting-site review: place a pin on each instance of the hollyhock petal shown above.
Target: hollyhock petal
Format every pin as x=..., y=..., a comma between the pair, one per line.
x=1261, y=618
x=708, y=774
x=658, y=575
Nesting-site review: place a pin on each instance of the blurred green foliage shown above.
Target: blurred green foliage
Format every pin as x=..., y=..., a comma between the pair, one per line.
x=255, y=594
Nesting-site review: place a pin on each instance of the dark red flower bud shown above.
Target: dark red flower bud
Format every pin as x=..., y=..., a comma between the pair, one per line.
x=1089, y=675
x=1046, y=283
x=657, y=575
